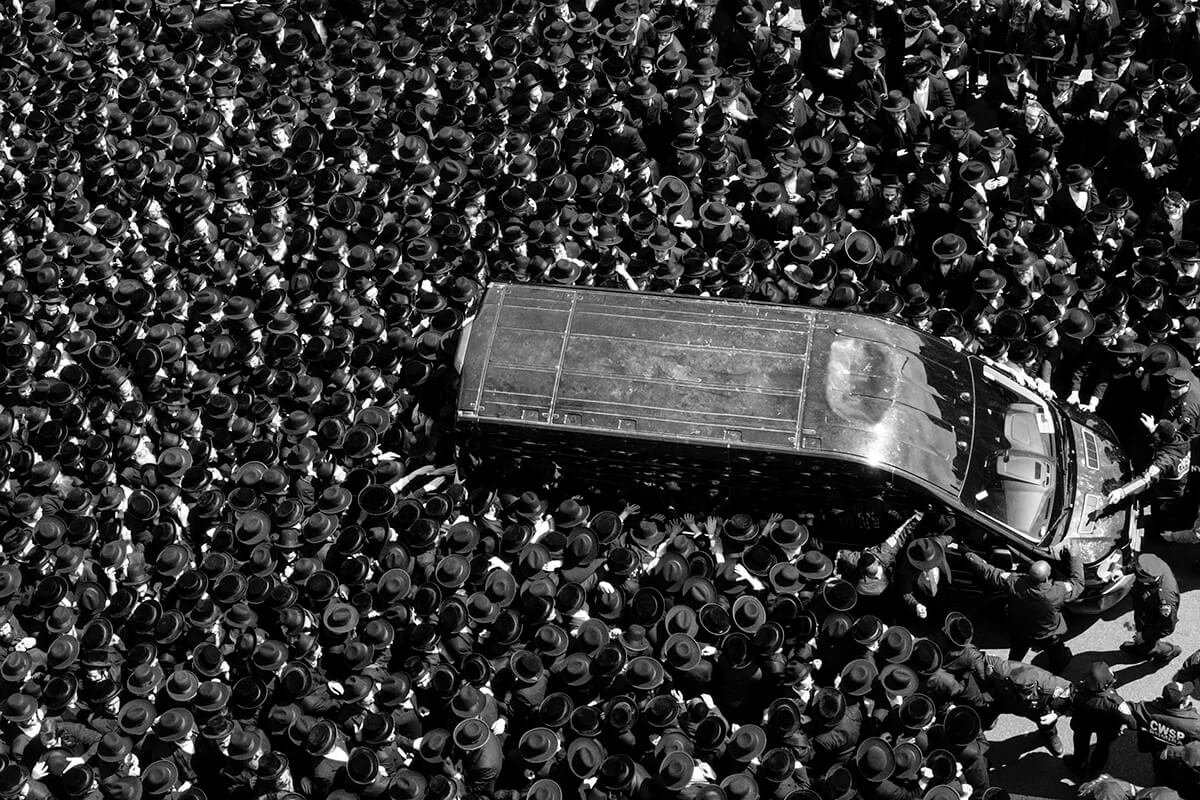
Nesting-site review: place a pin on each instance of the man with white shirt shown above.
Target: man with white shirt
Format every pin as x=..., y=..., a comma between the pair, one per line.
x=930, y=92
x=1092, y=106
x=829, y=51
x=1077, y=196
x=1149, y=158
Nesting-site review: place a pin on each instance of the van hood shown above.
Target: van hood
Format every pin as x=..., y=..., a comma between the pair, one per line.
x=1100, y=468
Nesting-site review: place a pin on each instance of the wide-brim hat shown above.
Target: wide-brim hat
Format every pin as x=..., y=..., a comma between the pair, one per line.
x=1128, y=345
x=988, y=281
x=899, y=680
x=875, y=760
x=471, y=734
x=896, y=102
x=925, y=553
x=814, y=566
x=858, y=677
x=861, y=248
x=785, y=578
x=827, y=707
x=962, y=726
x=747, y=743
x=748, y=614
x=949, y=247
x=645, y=673
x=538, y=745
x=896, y=646
x=681, y=652
x=917, y=711
x=839, y=595
x=340, y=618
x=1078, y=324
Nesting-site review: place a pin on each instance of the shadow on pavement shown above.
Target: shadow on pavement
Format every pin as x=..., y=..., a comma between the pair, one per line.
x=1139, y=670
x=1024, y=761
x=1182, y=560
x=1080, y=662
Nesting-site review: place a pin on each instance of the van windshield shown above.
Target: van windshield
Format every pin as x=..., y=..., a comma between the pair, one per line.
x=1014, y=473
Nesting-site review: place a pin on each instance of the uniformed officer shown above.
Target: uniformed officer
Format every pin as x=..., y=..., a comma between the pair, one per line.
x=1168, y=468
x=1182, y=403
x=1155, y=610
x=1171, y=721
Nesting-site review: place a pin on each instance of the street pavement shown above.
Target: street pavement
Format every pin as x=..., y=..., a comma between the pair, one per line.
x=1019, y=760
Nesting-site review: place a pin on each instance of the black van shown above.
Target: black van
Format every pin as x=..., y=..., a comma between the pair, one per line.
x=798, y=408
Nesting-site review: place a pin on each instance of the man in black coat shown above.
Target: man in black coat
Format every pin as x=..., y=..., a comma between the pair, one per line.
x=1035, y=605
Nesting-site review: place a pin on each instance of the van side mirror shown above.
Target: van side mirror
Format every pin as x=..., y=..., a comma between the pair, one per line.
x=1002, y=557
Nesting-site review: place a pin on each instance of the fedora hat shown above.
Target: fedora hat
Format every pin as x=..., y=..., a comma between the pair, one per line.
x=917, y=712
x=471, y=734
x=896, y=646
x=1078, y=324
x=899, y=680
x=925, y=553
x=949, y=246
x=988, y=281
x=1128, y=345
x=926, y=656
x=861, y=248
x=875, y=760
x=747, y=743
x=839, y=595
x=827, y=707
x=748, y=614
x=645, y=673
x=538, y=745
x=962, y=726
x=814, y=566
x=857, y=677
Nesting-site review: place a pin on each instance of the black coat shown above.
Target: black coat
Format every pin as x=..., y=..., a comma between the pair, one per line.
x=1156, y=599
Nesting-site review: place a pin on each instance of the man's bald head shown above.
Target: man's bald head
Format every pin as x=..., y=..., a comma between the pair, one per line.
x=1039, y=571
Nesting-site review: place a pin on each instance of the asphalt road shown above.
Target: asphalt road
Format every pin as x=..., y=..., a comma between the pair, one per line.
x=1019, y=760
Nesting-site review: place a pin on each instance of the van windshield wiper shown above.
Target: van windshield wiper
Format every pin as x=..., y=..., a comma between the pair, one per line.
x=1066, y=462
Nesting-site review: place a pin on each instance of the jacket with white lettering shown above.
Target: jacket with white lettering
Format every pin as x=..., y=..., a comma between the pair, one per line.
x=1160, y=727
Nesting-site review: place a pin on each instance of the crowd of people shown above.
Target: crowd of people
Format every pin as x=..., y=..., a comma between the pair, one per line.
x=239, y=238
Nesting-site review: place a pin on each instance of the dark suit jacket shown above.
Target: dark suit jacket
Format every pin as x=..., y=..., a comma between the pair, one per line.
x=1087, y=99
x=998, y=94
x=1007, y=167
x=976, y=242
x=915, y=126
x=773, y=228
x=865, y=82
x=1063, y=211
x=967, y=142
x=1164, y=159
x=818, y=59
x=940, y=99
x=1063, y=111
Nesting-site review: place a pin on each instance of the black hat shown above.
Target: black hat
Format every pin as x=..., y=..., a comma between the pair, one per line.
x=747, y=743
x=962, y=726
x=827, y=707
x=917, y=712
x=875, y=760
x=858, y=677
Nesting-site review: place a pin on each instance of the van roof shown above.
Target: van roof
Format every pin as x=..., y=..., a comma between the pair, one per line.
x=731, y=373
